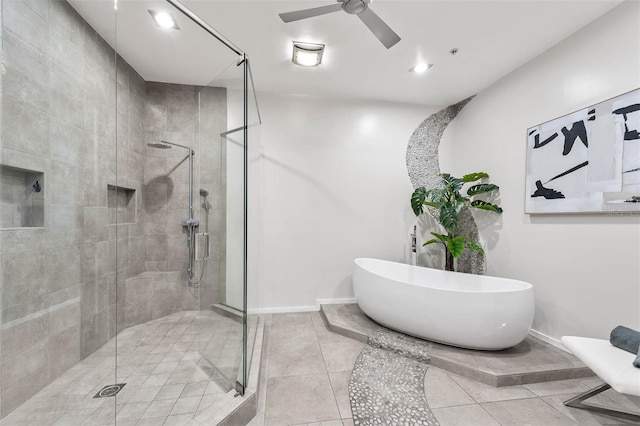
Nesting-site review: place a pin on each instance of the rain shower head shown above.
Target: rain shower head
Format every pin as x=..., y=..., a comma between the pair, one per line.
x=203, y=192
x=161, y=145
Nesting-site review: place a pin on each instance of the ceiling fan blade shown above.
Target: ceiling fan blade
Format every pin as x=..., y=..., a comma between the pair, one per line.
x=377, y=26
x=310, y=13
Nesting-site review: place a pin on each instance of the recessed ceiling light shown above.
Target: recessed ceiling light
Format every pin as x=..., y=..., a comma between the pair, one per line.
x=307, y=54
x=420, y=68
x=164, y=20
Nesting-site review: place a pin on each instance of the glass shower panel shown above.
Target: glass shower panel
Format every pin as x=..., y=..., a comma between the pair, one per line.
x=171, y=331
x=252, y=209
x=230, y=345
x=222, y=343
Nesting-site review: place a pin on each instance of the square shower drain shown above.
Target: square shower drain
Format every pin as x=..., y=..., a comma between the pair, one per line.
x=110, y=390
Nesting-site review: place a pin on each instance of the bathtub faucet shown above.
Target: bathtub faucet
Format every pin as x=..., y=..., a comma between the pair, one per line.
x=413, y=240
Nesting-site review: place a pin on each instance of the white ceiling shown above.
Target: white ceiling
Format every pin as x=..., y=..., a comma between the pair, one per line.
x=493, y=38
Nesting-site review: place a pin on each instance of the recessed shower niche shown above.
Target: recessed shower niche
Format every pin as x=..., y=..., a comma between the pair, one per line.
x=21, y=198
x=122, y=204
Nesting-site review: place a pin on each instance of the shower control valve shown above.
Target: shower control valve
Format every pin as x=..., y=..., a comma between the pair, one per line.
x=191, y=223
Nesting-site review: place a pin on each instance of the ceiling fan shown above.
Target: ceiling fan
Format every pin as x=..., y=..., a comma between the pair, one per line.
x=353, y=7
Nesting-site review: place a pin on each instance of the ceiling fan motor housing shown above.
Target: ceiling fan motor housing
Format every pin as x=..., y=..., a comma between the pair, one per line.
x=355, y=6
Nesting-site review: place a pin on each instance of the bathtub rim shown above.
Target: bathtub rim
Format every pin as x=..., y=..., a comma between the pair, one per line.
x=522, y=285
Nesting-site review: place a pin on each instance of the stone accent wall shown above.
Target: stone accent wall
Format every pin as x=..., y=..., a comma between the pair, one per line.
x=423, y=166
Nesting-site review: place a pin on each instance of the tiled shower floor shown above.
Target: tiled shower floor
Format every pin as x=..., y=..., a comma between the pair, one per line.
x=160, y=363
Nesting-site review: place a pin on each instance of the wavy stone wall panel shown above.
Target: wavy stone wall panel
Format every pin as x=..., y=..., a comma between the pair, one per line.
x=423, y=166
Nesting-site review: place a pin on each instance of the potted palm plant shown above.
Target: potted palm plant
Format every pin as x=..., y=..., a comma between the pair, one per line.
x=449, y=202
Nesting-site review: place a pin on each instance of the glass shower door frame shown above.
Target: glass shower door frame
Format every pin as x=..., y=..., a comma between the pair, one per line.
x=241, y=382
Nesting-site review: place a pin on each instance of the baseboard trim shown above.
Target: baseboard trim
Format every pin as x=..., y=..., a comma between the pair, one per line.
x=548, y=339
x=343, y=301
x=291, y=309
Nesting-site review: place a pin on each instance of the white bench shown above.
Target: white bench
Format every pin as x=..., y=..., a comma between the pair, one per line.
x=611, y=364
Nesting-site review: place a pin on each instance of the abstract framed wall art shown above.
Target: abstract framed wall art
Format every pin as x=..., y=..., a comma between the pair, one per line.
x=587, y=161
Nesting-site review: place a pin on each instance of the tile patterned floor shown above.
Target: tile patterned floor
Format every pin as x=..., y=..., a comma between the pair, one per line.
x=304, y=381
x=306, y=371
x=166, y=380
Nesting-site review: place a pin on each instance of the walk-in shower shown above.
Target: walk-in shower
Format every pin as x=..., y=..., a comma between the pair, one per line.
x=190, y=222
x=95, y=243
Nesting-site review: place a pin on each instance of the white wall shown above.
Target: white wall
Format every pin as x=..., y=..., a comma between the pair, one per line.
x=585, y=268
x=233, y=295
x=334, y=188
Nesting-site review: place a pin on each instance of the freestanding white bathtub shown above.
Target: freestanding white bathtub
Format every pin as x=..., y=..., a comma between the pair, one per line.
x=469, y=311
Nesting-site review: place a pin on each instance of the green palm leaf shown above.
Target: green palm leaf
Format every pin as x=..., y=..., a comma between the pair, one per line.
x=449, y=217
x=456, y=246
x=472, y=177
x=483, y=205
x=481, y=189
x=417, y=200
x=436, y=195
x=475, y=247
x=451, y=183
x=441, y=237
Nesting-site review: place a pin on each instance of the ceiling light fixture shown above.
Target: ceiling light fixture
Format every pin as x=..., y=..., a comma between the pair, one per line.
x=164, y=20
x=307, y=54
x=420, y=68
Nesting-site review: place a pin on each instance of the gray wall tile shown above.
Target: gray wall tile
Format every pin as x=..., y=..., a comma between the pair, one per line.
x=24, y=28
x=94, y=332
x=65, y=350
x=22, y=277
x=24, y=334
x=65, y=21
x=66, y=141
x=25, y=127
x=137, y=303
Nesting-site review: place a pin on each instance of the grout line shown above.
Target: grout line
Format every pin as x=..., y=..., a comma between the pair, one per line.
x=457, y=384
x=326, y=369
x=555, y=409
x=324, y=361
x=485, y=410
x=324, y=323
x=264, y=381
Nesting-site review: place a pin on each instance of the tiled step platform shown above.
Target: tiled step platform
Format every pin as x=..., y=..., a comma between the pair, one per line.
x=532, y=361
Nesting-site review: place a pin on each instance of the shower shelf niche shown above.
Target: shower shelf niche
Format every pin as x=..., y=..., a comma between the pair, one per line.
x=21, y=198
x=121, y=202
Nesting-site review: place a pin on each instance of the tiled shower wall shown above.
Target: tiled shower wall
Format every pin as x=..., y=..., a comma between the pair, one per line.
x=212, y=123
x=172, y=115
x=61, y=116
x=58, y=282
